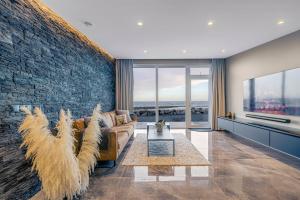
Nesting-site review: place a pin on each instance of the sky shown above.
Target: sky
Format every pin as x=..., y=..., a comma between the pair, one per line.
x=171, y=85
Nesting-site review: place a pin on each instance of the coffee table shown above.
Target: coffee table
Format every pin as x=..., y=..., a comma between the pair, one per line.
x=165, y=136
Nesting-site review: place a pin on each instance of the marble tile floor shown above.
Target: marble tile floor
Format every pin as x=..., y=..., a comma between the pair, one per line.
x=240, y=169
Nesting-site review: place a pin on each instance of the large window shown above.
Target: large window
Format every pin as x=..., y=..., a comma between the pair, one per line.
x=144, y=97
x=171, y=94
x=178, y=95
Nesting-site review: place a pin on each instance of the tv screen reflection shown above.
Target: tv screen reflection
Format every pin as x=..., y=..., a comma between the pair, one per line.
x=274, y=94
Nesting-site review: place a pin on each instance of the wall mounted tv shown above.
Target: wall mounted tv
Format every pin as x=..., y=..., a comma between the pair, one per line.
x=277, y=93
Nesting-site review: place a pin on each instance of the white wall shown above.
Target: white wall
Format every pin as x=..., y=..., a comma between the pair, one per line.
x=272, y=57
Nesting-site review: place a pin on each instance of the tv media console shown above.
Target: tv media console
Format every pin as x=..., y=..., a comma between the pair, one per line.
x=282, y=140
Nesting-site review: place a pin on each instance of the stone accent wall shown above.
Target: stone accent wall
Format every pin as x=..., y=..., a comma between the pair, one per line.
x=42, y=63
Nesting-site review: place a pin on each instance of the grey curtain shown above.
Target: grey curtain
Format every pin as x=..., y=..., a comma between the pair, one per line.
x=124, y=84
x=218, y=70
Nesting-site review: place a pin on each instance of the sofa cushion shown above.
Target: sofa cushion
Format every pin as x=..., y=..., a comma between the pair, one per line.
x=78, y=139
x=124, y=112
x=102, y=123
x=124, y=128
x=86, y=121
x=133, y=123
x=78, y=131
x=106, y=120
x=113, y=117
x=133, y=117
x=79, y=124
x=121, y=119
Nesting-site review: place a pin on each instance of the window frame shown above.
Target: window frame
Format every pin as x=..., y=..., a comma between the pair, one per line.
x=188, y=78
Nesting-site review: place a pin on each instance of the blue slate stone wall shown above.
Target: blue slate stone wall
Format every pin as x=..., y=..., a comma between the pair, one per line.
x=42, y=64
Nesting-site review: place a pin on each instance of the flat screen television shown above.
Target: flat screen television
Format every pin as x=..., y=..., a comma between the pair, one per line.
x=277, y=93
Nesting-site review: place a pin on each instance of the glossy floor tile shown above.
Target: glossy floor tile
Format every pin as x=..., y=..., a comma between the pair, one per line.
x=240, y=170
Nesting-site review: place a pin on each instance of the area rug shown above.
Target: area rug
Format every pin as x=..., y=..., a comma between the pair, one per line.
x=185, y=153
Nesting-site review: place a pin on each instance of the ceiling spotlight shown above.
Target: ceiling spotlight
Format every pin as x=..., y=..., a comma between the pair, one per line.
x=87, y=23
x=145, y=51
x=210, y=23
x=280, y=22
x=184, y=51
x=223, y=50
x=140, y=23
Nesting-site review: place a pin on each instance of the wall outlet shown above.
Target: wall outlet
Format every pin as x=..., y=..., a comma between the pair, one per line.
x=18, y=108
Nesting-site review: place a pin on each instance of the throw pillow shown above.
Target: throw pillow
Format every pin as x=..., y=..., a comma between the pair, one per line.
x=102, y=123
x=121, y=119
x=112, y=115
x=107, y=122
x=125, y=112
x=86, y=121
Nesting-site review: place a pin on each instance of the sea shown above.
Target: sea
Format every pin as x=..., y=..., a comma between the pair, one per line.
x=168, y=104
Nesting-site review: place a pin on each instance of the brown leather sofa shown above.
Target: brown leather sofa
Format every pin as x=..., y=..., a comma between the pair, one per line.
x=114, y=138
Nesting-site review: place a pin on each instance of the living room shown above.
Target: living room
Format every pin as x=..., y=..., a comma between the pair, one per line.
x=149, y=99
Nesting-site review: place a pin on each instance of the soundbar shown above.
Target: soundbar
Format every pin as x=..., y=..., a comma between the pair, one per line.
x=274, y=119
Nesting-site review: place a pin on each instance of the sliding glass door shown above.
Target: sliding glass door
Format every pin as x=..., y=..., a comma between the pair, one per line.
x=171, y=95
x=178, y=95
x=197, y=97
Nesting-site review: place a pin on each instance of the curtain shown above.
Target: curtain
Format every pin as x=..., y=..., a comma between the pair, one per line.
x=218, y=70
x=124, y=84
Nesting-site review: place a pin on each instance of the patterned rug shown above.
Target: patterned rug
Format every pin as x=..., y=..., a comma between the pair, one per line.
x=161, y=153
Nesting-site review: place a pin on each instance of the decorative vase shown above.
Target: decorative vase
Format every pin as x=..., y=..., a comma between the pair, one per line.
x=159, y=129
x=160, y=126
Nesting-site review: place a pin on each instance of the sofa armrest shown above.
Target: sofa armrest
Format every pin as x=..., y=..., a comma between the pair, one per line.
x=109, y=139
x=109, y=145
x=133, y=117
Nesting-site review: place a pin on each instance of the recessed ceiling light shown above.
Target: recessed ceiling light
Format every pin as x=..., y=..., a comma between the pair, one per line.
x=87, y=23
x=280, y=22
x=210, y=23
x=145, y=51
x=223, y=50
x=184, y=51
x=140, y=23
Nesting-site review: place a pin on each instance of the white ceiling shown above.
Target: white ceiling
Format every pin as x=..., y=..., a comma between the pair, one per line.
x=173, y=25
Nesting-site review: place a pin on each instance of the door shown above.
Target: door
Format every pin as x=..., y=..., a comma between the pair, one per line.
x=197, y=97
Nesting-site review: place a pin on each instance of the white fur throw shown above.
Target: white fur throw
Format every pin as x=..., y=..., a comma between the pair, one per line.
x=61, y=173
